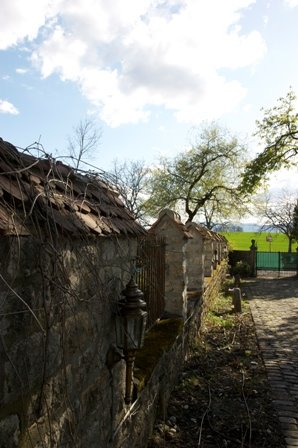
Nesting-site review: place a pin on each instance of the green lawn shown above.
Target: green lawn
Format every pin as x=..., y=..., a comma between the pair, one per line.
x=242, y=241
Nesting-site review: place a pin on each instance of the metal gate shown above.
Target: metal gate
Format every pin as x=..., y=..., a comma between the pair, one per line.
x=150, y=275
x=277, y=261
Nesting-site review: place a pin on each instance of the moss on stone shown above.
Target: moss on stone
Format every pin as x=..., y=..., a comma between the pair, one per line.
x=158, y=340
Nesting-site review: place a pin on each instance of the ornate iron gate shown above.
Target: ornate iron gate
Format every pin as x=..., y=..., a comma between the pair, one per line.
x=150, y=275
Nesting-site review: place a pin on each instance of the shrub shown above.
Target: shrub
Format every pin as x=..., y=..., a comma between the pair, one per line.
x=241, y=268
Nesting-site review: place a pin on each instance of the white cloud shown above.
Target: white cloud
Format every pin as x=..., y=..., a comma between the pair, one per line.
x=8, y=108
x=21, y=20
x=247, y=107
x=21, y=71
x=292, y=3
x=61, y=53
x=129, y=56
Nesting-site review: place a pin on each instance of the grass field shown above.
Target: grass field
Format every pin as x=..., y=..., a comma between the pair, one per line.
x=242, y=241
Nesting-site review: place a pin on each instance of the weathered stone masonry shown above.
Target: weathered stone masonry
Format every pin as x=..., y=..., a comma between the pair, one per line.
x=56, y=387
x=54, y=378
x=68, y=248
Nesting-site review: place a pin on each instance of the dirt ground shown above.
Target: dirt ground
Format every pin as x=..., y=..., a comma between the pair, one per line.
x=223, y=397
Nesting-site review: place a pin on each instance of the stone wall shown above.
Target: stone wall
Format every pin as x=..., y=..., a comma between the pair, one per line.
x=157, y=376
x=209, y=257
x=195, y=261
x=58, y=298
x=57, y=304
x=159, y=380
x=201, y=304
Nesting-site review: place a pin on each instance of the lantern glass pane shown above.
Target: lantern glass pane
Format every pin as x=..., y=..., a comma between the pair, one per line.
x=135, y=331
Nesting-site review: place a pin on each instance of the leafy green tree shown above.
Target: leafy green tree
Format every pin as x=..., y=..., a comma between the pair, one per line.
x=278, y=132
x=206, y=174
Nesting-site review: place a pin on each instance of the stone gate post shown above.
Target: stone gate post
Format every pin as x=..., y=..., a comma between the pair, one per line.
x=170, y=226
x=253, y=259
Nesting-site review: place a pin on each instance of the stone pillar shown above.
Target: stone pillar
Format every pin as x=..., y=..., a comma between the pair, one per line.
x=253, y=256
x=219, y=251
x=195, y=258
x=224, y=248
x=170, y=226
x=209, y=257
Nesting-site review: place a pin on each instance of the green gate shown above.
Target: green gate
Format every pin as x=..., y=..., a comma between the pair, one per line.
x=277, y=261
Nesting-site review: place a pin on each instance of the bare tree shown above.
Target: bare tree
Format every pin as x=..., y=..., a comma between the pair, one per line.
x=280, y=216
x=130, y=180
x=85, y=139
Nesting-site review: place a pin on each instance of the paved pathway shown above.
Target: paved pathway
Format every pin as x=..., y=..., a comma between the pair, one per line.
x=274, y=306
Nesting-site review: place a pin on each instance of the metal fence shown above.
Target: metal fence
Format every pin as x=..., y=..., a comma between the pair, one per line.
x=277, y=261
x=150, y=275
x=268, y=263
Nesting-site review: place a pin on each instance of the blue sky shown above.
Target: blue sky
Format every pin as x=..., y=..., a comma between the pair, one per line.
x=148, y=71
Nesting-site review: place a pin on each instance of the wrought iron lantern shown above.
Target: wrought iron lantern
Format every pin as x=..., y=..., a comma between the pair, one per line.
x=130, y=329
